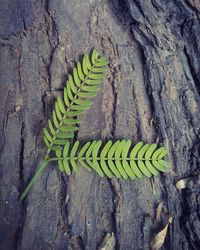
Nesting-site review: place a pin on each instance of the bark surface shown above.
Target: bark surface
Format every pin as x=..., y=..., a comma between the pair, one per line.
x=151, y=93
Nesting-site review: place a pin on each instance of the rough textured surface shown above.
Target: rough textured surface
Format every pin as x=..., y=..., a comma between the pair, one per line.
x=151, y=93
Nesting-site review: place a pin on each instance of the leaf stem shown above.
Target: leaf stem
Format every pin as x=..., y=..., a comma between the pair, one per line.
x=34, y=178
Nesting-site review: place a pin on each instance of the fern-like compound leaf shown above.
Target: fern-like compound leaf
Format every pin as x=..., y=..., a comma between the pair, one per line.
x=82, y=85
x=120, y=159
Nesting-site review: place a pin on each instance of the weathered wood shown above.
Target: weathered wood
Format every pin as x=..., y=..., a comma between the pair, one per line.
x=151, y=93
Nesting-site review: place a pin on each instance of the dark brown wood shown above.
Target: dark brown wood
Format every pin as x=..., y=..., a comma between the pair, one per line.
x=151, y=93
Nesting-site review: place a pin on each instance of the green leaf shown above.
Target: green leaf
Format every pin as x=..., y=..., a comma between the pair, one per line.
x=77, y=74
x=91, y=88
x=78, y=107
x=96, y=167
x=143, y=168
x=84, y=148
x=120, y=149
x=83, y=102
x=92, y=82
x=114, y=159
x=89, y=151
x=87, y=94
x=72, y=85
x=162, y=154
x=120, y=169
x=127, y=169
x=84, y=66
x=51, y=128
x=58, y=154
x=61, y=105
x=114, y=169
x=163, y=163
x=81, y=85
x=99, y=77
x=150, y=151
x=84, y=165
x=71, y=121
x=71, y=105
x=56, y=148
x=142, y=151
x=63, y=135
x=96, y=149
x=159, y=166
x=99, y=70
x=102, y=62
x=69, y=128
x=113, y=149
x=135, y=150
x=66, y=149
x=74, y=113
x=151, y=168
x=60, y=165
x=135, y=169
x=66, y=167
x=47, y=135
x=105, y=168
x=95, y=55
x=46, y=142
x=158, y=152
x=74, y=149
x=55, y=120
x=59, y=142
x=69, y=92
x=106, y=149
x=87, y=61
x=66, y=99
x=58, y=113
x=74, y=165
x=126, y=148
x=117, y=155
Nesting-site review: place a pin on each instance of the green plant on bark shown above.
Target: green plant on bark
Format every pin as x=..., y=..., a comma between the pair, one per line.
x=119, y=158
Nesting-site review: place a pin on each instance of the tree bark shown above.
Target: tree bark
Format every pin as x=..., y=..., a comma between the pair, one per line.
x=151, y=93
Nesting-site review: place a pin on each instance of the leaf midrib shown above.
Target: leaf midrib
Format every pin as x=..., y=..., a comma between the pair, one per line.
x=99, y=159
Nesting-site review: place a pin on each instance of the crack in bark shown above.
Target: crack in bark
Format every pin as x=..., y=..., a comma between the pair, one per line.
x=115, y=199
x=191, y=7
x=19, y=231
x=114, y=109
x=64, y=204
x=192, y=71
x=188, y=228
x=53, y=37
x=21, y=161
